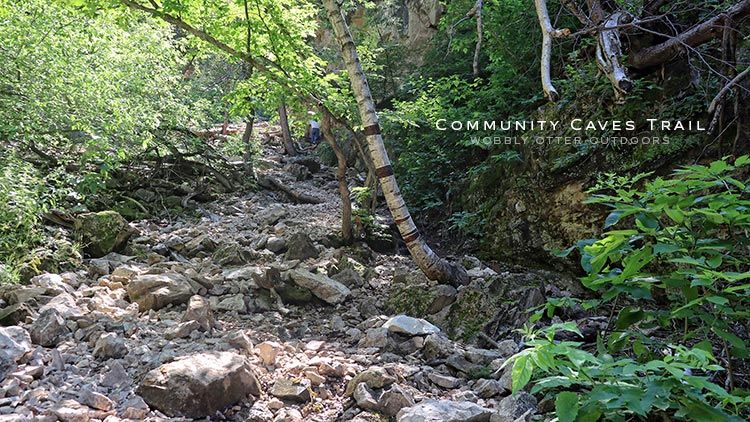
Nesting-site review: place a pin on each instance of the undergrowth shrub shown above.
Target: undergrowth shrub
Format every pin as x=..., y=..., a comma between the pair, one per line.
x=23, y=200
x=671, y=270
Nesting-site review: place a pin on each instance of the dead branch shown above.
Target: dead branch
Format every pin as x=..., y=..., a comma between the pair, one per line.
x=609, y=52
x=548, y=32
x=737, y=79
x=693, y=37
x=474, y=12
x=272, y=183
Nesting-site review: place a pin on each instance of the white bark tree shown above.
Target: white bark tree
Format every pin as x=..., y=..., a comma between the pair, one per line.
x=428, y=261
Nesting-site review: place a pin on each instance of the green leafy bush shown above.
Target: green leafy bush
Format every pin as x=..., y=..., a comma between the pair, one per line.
x=22, y=199
x=673, y=271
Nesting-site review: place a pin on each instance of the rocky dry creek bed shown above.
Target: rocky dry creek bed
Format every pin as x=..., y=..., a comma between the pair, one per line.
x=250, y=313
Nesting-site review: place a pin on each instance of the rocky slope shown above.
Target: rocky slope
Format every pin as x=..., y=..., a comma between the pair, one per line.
x=253, y=312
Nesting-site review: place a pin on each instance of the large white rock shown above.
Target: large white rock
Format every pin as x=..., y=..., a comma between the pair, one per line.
x=444, y=411
x=155, y=291
x=199, y=385
x=325, y=288
x=14, y=343
x=403, y=324
x=65, y=304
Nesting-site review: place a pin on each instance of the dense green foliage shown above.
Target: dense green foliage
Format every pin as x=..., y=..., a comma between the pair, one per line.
x=673, y=268
x=78, y=84
x=97, y=93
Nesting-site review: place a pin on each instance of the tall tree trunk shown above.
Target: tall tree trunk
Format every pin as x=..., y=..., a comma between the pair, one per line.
x=346, y=201
x=428, y=261
x=286, y=134
x=247, y=144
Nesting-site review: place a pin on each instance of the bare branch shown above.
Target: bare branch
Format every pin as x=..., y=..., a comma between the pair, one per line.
x=609, y=52
x=693, y=37
x=573, y=8
x=737, y=79
x=548, y=32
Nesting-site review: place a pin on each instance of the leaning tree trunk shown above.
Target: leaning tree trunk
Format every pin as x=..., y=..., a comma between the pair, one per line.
x=247, y=144
x=286, y=134
x=346, y=200
x=428, y=261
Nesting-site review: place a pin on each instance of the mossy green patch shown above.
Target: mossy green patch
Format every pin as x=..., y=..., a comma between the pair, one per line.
x=101, y=232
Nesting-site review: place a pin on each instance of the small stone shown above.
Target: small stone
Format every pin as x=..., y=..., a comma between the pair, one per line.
x=300, y=246
x=234, y=303
x=286, y=389
x=349, y=278
x=482, y=356
x=315, y=378
x=517, y=406
x=199, y=310
x=239, y=340
x=275, y=404
x=135, y=408
x=182, y=330
x=444, y=295
x=268, y=351
x=444, y=381
x=458, y=362
x=276, y=244
x=51, y=283
x=49, y=328
x=110, y=345
x=437, y=346
x=14, y=343
x=403, y=324
x=96, y=400
x=444, y=411
x=486, y=388
x=337, y=324
x=65, y=305
x=116, y=376
x=314, y=345
x=507, y=348
x=155, y=291
x=72, y=414
x=124, y=273
x=374, y=337
x=374, y=377
x=395, y=399
x=363, y=396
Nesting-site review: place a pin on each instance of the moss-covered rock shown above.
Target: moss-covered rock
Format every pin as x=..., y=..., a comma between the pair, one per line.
x=473, y=309
x=410, y=299
x=102, y=232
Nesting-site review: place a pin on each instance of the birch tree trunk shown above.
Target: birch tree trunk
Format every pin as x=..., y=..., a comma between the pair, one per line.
x=428, y=261
x=346, y=201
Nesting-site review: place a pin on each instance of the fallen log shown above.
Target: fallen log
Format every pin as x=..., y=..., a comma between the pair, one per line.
x=272, y=183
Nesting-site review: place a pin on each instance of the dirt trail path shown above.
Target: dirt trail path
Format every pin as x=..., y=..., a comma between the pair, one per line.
x=245, y=311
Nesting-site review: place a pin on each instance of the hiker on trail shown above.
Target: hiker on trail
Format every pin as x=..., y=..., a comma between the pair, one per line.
x=314, y=128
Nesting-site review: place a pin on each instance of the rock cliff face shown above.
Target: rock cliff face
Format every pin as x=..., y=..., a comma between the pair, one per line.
x=409, y=23
x=423, y=17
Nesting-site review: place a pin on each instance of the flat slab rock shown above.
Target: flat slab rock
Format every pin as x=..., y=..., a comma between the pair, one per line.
x=325, y=288
x=155, y=291
x=444, y=411
x=199, y=385
x=404, y=324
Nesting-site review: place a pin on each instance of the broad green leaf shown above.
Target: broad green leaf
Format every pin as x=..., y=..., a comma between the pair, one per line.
x=566, y=406
x=629, y=316
x=523, y=368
